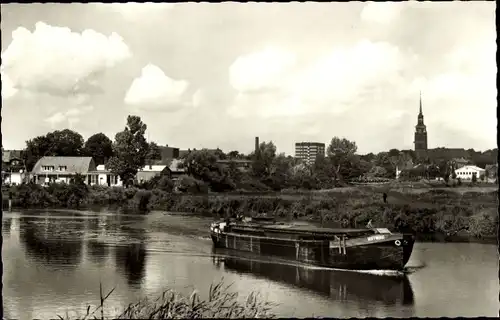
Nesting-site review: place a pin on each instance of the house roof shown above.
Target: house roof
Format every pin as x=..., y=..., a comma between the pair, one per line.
x=73, y=164
x=466, y=168
x=8, y=155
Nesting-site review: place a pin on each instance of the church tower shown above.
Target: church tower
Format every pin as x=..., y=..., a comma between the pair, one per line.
x=420, y=133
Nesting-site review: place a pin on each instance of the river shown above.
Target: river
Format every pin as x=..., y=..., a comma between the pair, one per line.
x=53, y=262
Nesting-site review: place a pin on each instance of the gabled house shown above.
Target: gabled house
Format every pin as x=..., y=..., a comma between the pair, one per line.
x=13, y=168
x=102, y=176
x=174, y=170
x=62, y=169
x=466, y=172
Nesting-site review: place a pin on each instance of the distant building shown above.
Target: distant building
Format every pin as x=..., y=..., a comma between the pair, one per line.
x=466, y=173
x=13, y=169
x=169, y=152
x=420, y=134
x=309, y=151
x=173, y=169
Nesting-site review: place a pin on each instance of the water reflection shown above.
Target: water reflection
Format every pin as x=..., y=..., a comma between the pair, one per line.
x=339, y=285
x=131, y=258
x=131, y=261
x=97, y=251
x=6, y=224
x=46, y=243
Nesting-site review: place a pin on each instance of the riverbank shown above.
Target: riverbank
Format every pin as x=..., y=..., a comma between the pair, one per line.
x=437, y=214
x=220, y=303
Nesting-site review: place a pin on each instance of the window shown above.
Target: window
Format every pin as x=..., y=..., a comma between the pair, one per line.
x=63, y=168
x=48, y=168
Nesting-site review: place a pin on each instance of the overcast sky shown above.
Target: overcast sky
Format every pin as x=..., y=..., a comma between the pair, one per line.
x=217, y=75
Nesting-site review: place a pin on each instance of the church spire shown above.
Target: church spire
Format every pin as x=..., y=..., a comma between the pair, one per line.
x=420, y=113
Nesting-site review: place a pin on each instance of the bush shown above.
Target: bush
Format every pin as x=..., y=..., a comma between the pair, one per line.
x=189, y=184
x=221, y=303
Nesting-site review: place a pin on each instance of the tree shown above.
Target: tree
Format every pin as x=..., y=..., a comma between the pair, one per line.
x=342, y=154
x=57, y=143
x=99, y=147
x=154, y=152
x=279, y=174
x=482, y=177
x=202, y=165
x=220, y=154
x=377, y=171
x=323, y=171
x=130, y=150
x=263, y=159
x=234, y=155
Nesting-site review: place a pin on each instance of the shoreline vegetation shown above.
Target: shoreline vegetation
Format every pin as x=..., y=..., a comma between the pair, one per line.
x=432, y=214
x=220, y=303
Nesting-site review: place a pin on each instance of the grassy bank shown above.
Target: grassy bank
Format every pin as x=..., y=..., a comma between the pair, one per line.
x=430, y=213
x=220, y=303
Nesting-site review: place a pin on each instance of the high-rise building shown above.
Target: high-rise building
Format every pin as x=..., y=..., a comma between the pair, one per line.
x=420, y=133
x=309, y=151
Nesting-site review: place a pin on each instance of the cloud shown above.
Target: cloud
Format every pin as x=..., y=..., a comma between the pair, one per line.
x=153, y=90
x=260, y=71
x=381, y=12
x=332, y=83
x=136, y=11
x=71, y=116
x=60, y=62
x=8, y=89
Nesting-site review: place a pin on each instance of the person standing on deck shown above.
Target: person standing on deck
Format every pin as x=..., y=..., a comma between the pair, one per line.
x=369, y=224
x=384, y=196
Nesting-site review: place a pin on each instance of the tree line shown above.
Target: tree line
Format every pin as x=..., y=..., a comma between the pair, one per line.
x=268, y=170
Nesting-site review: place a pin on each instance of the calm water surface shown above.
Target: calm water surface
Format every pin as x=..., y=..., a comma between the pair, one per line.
x=54, y=261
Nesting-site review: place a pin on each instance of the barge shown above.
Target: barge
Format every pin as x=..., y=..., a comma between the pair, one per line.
x=352, y=249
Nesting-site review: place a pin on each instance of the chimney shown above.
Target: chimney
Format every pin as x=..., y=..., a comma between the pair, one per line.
x=256, y=145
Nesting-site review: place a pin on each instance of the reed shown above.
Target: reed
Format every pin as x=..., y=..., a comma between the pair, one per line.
x=220, y=303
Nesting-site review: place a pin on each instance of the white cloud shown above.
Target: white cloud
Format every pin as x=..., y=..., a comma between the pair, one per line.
x=381, y=12
x=8, y=89
x=331, y=84
x=72, y=116
x=155, y=90
x=57, y=61
x=136, y=11
x=260, y=70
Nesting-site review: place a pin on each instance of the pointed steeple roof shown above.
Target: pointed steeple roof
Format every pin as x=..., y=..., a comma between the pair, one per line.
x=420, y=111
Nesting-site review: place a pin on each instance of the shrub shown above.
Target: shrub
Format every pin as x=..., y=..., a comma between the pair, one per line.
x=221, y=303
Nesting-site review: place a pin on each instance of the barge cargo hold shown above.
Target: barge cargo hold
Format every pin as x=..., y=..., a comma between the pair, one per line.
x=354, y=249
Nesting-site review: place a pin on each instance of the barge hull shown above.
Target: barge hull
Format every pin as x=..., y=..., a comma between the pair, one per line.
x=381, y=255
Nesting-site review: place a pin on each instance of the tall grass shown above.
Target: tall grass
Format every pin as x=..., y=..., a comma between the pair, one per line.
x=221, y=303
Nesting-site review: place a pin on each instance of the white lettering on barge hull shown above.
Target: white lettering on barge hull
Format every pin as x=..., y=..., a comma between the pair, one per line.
x=376, y=238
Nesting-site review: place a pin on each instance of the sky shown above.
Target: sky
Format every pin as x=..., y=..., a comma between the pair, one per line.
x=204, y=75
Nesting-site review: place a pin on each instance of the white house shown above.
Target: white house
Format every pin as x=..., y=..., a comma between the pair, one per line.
x=104, y=177
x=466, y=172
